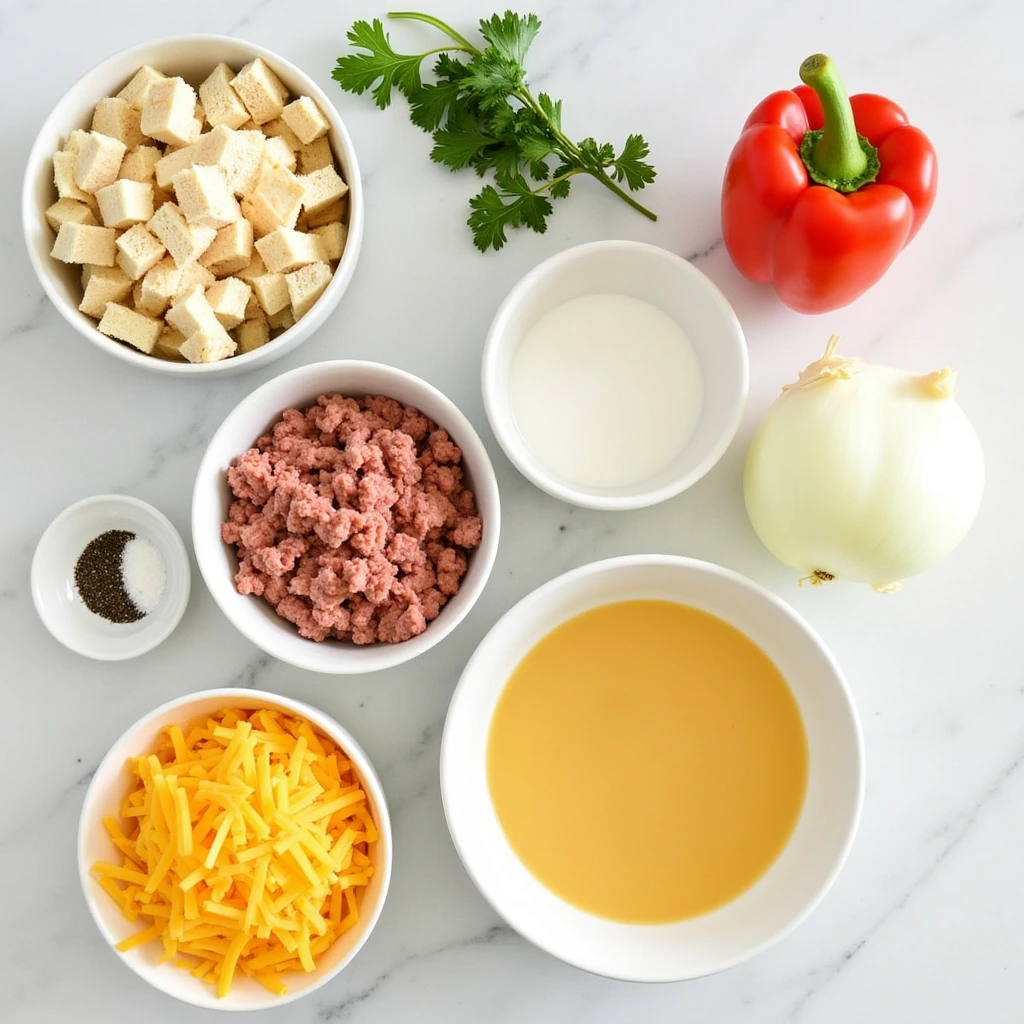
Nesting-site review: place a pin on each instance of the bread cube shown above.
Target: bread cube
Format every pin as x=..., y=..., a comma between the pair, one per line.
x=74, y=140
x=103, y=285
x=172, y=163
x=220, y=101
x=321, y=188
x=64, y=177
x=125, y=203
x=277, y=154
x=276, y=202
x=306, y=120
x=155, y=291
x=168, y=112
x=253, y=309
x=98, y=161
x=168, y=345
x=284, y=250
x=327, y=215
x=184, y=242
x=231, y=249
x=260, y=90
x=84, y=243
x=316, y=155
x=238, y=154
x=68, y=211
x=204, y=197
x=120, y=120
x=332, y=240
x=228, y=299
x=208, y=346
x=256, y=268
x=279, y=129
x=125, y=324
x=139, y=164
x=271, y=291
x=306, y=285
x=252, y=334
x=136, y=91
x=282, y=320
x=195, y=275
x=191, y=313
x=138, y=251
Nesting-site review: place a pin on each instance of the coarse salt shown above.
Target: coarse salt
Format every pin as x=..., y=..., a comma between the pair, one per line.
x=144, y=573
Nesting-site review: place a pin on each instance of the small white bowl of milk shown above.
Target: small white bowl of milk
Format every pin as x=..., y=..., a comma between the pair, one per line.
x=614, y=375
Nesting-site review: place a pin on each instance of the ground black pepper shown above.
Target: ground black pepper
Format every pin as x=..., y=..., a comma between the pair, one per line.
x=98, y=577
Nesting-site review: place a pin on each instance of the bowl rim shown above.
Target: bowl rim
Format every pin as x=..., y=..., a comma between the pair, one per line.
x=340, y=279
x=505, y=431
x=349, y=744
x=384, y=655
x=151, y=640
x=536, y=936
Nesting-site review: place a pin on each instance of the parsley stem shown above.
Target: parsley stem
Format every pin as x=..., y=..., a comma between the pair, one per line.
x=464, y=43
x=555, y=181
x=624, y=196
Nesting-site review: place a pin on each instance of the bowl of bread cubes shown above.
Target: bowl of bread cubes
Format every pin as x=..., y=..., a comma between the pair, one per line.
x=193, y=206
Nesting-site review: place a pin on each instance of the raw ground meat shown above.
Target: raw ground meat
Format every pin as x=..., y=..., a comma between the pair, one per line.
x=351, y=519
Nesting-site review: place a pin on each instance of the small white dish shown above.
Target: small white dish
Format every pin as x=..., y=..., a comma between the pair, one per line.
x=218, y=563
x=790, y=889
x=56, y=598
x=669, y=283
x=193, y=58
x=105, y=795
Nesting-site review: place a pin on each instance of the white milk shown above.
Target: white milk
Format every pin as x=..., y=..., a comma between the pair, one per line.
x=605, y=390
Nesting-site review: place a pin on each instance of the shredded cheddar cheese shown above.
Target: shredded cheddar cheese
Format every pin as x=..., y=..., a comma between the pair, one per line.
x=244, y=846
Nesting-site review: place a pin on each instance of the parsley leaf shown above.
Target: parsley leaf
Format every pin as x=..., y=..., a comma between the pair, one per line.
x=630, y=164
x=358, y=71
x=514, y=206
x=460, y=141
x=511, y=35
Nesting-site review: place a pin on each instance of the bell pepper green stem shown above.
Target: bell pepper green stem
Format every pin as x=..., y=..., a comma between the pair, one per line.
x=835, y=155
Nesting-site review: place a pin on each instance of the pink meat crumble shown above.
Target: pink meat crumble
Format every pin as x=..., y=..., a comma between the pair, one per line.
x=351, y=519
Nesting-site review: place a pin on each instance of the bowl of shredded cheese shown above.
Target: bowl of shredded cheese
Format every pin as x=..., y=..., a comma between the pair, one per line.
x=235, y=848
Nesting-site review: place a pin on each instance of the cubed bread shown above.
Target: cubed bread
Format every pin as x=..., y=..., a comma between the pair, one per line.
x=306, y=285
x=168, y=345
x=321, y=188
x=271, y=291
x=252, y=334
x=306, y=120
x=139, y=164
x=85, y=243
x=103, y=285
x=120, y=120
x=279, y=129
x=253, y=309
x=195, y=275
x=204, y=197
x=220, y=101
x=332, y=240
x=256, y=268
x=138, y=251
x=97, y=161
x=276, y=201
x=172, y=163
x=68, y=211
x=136, y=91
x=228, y=299
x=277, y=154
x=184, y=242
x=125, y=203
x=168, y=112
x=75, y=140
x=260, y=90
x=316, y=155
x=192, y=313
x=64, y=177
x=282, y=320
x=326, y=215
x=238, y=154
x=208, y=346
x=231, y=250
x=284, y=250
x=158, y=287
x=125, y=324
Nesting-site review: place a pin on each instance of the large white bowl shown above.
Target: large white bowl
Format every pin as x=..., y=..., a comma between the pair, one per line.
x=669, y=283
x=191, y=57
x=105, y=795
x=253, y=416
x=774, y=905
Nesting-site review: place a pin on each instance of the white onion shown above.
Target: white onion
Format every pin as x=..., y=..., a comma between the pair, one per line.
x=863, y=472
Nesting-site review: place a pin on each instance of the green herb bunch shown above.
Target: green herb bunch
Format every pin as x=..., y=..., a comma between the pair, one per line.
x=482, y=115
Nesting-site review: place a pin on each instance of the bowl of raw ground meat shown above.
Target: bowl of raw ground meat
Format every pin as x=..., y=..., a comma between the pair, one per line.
x=345, y=517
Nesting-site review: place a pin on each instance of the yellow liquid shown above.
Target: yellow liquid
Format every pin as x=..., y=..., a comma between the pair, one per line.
x=647, y=761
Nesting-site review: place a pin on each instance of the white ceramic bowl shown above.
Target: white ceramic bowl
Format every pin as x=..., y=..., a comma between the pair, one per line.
x=299, y=388
x=53, y=578
x=191, y=57
x=775, y=904
x=667, y=282
x=105, y=795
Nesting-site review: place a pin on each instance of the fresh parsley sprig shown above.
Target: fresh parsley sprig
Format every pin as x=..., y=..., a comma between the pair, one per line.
x=482, y=115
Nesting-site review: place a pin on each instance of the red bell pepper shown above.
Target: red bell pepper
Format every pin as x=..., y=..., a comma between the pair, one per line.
x=822, y=191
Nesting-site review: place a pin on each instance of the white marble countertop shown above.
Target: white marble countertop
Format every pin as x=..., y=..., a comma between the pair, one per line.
x=924, y=922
